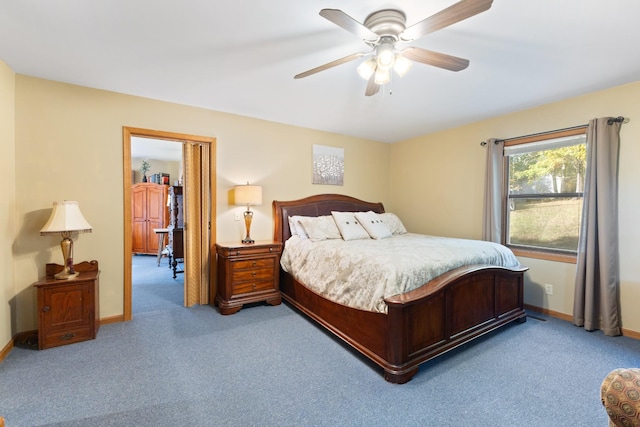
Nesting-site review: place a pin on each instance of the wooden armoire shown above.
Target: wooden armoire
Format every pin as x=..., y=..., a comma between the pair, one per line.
x=149, y=211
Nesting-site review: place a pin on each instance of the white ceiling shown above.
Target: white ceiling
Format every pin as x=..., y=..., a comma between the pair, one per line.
x=159, y=149
x=241, y=56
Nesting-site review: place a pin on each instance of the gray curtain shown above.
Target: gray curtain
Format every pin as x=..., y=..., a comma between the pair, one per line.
x=493, y=192
x=596, y=300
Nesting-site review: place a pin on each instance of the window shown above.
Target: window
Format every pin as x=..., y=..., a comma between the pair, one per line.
x=545, y=183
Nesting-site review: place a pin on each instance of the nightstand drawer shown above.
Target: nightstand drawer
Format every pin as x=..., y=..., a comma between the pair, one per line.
x=255, y=274
x=67, y=337
x=248, y=251
x=256, y=286
x=254, y=263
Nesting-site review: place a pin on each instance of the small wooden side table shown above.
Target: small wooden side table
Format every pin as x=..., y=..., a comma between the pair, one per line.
x=162, y=234
x=68, y=310
x=247, y=273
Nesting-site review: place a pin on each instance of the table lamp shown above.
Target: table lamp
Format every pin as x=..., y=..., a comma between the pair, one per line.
x=65, y=219
x=249, y=195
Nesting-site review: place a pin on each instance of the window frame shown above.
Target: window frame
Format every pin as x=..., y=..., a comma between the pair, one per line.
x=539, y=253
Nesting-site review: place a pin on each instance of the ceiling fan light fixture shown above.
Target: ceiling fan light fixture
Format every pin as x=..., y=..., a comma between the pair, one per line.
x=382, y=77
x=385, y=56
x=367, y=68
x=384, y=29
x=402, y=65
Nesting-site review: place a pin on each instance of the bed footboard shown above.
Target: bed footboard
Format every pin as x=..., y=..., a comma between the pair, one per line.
x=449, y=311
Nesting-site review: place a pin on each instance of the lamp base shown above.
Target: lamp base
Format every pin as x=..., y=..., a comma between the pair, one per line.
x=248, y=216
x=68, y=271
x=66, y=274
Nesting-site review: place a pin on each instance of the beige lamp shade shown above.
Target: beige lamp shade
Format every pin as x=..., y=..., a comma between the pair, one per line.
x=65, y=218
x=248, y=195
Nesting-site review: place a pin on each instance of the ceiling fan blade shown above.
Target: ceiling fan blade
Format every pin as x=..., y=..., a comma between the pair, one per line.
x=343, y=20
x=372, y=86
x=437, y=59
x=455, y=13
x=328, y=65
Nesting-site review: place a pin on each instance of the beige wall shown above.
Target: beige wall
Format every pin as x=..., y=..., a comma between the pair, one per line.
x=437, y=188
x=279, y=158
x=69, y=146
x=8, y=203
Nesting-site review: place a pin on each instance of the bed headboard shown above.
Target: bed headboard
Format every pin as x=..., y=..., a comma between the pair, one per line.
x=318, y=205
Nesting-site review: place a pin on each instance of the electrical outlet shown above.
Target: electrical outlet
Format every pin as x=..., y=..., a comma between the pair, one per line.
x=548, y=289
x=238, y=216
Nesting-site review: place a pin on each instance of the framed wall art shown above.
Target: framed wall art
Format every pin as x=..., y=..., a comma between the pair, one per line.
x=328, y=165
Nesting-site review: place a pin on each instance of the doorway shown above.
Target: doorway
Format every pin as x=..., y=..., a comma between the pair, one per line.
x=198, y=172
x=156, y=183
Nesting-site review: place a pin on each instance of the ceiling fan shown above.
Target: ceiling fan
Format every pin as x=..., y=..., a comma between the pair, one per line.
x=383, y=29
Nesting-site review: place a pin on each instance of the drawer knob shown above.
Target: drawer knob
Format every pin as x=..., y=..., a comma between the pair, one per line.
x=253, y=273
x=255, y=263
x=253, y=286
x=270, y=249
x=46, y=308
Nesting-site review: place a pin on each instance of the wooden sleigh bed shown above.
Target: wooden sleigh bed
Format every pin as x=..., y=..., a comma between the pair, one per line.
x=444, y=313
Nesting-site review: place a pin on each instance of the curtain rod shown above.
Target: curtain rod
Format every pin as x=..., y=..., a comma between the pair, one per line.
x=619, y=119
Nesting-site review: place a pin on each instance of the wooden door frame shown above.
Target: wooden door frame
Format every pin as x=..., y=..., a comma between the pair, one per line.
x=127, y=134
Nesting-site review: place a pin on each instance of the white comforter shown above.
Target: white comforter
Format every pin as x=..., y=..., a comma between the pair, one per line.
x=362, y=273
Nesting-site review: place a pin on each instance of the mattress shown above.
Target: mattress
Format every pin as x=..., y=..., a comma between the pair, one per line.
x=362, y=273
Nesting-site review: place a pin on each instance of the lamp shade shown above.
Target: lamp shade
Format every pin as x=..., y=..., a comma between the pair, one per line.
x=382, y=76
x=65, y=218
x=367, y=68
x=248, y=195
x=385, y=56
x=402, y=65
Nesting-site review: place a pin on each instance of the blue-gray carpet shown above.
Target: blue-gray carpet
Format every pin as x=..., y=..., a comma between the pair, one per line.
x=153, y=287
x=269, y=366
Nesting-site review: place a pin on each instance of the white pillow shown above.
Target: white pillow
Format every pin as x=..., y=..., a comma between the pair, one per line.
x=319, y=227
x=349, y=226
x=296, y=228
x=393, y=222
x=374, y=224
x=292, y=226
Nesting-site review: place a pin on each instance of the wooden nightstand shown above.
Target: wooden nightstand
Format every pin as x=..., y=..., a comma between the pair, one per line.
x=247, y=273
x=68, y=310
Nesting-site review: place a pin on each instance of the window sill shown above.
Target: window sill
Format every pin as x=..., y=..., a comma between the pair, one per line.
x=549, y=256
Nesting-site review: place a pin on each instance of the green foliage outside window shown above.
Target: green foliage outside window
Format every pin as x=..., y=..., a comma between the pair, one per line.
x=560, y=170
x=545, y=198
